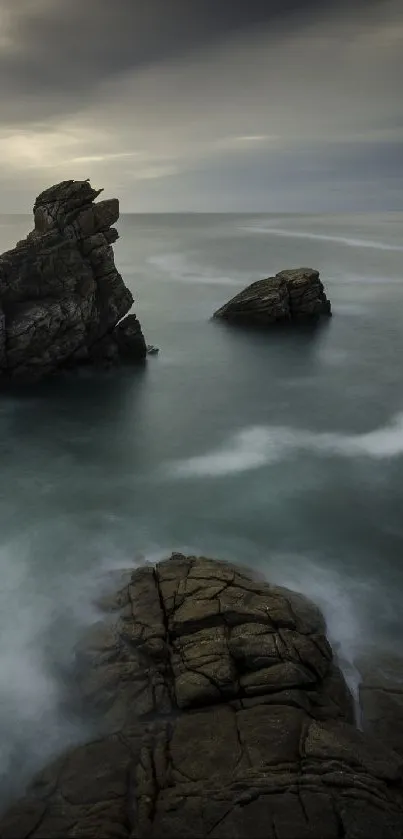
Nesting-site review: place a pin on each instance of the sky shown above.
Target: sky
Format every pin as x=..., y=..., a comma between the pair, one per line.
x=204, y=105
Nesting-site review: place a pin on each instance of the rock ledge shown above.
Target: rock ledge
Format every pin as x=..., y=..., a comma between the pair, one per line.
x=221, y=714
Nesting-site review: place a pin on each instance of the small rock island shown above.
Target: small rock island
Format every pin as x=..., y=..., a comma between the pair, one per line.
x=62, y=300
x=221, y=713
x=293, y=296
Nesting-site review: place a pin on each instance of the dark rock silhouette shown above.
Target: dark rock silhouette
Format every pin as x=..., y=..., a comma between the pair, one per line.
x=222, y=714
x=62, y=299
x=291, y=297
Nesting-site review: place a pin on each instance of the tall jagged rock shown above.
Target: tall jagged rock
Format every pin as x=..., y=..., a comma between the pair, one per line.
x=293, y=296
x=222, y=715
x=61, y=296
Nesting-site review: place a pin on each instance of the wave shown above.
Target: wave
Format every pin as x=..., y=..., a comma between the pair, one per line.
x=346, y=603
x=258, y=446
x=40, y=625
x=33, y=727
x=183, y=270
x=323, y=237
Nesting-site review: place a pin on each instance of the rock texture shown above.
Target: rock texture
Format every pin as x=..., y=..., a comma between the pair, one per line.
x=292, y=296
x=381, y=697
x=223, y=715
x=61, y=296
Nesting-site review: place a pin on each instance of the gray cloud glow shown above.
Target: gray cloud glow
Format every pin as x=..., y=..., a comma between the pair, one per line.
x=202, y=106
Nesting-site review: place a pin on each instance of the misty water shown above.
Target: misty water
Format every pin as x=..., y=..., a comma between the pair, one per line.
x=280, y=451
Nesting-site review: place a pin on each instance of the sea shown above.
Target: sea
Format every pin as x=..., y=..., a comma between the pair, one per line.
x=281, y=451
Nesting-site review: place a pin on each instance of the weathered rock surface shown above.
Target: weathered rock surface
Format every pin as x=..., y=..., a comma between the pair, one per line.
x=381, y=697
x=223, y=715
x=61, y=296
x=292, y=296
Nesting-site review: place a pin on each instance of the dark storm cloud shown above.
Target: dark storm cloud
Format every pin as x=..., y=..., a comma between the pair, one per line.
x=70, y=47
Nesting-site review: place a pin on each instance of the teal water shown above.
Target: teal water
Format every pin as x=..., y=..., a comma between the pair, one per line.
x=281, y=451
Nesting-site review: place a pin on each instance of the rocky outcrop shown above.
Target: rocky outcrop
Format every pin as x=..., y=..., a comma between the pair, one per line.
x=292, y=296
x=381, y=697
x=61, y=296
x=221, y=714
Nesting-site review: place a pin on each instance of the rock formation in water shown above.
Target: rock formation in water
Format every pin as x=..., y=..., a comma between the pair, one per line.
x=292, y=296
x=62, y=299
x=221, y=714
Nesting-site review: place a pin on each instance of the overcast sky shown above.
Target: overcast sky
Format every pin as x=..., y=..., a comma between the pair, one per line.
x=216, y=105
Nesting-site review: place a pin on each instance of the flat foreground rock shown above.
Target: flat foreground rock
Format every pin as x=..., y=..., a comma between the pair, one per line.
x=293, y=296
x=222, y=715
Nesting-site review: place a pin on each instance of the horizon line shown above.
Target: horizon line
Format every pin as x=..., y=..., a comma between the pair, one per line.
x=236, y=212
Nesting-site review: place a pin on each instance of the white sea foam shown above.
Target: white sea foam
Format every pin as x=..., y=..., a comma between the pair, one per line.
x=259, y=446
x=32, y=727
x=323, y=237
x=184, y=269
x=344, y=604
x=40, y=625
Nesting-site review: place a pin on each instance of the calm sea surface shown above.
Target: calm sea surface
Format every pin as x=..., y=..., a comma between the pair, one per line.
x=283, y=452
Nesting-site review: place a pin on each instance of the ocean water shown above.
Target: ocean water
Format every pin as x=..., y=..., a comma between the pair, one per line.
x=281, y=451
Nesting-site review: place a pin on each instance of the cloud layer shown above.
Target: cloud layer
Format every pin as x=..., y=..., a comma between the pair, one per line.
x=259, y=106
